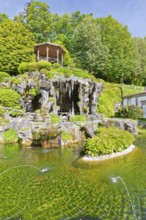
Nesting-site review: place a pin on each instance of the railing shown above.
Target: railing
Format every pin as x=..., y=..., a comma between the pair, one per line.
x=51, y=59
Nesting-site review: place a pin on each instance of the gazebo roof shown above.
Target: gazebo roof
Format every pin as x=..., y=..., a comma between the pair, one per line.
x=52, y=48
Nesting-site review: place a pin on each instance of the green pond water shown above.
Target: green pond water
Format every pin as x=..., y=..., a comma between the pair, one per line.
x=37, y=184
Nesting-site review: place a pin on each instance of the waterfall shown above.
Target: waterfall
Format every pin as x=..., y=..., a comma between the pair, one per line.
x=44, y=97
x=52, y=91
x=72, y=109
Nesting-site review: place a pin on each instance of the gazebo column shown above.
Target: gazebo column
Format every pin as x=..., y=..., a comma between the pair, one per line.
x=62, y=60
x=38, y=55
x=57, y=55
x=47, y=53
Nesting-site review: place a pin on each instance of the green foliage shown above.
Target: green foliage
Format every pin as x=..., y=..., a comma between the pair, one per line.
x=56, y=66
x=2, y=111
x=52, y=99
x=9, y=98
x=121, y=54
x=107, y=100
x=66, y=136
x=130, y=111
x=3, y=76
x=37, y=19
x=32, y=92
x=44, y=65
x=16, y=113
x=54, y=118
x=3, y=121
x=90, y=53
x=108, y=140
x=67, y=59
x=44, y=71
x=80, y=118
x=132, y=89
x=67, y=72
x=3, y=17
x=33, y=66
x=23, y=68
x=138, y=72
x=50, y=74
x=10, y=136
x=16, y=46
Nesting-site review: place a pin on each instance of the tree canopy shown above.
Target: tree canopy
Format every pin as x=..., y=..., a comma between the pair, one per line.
x=90, y=52
x=16, y=45
x=103, y=46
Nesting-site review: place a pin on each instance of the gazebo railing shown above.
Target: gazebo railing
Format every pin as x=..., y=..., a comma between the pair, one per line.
x=51, y=59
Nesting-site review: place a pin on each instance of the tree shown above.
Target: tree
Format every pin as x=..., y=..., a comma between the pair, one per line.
x=67, y=60
x=121, y=49
x=63, y=28
x=3, y=17
x=16, y=46
x=37, y=18
x=138, y=74
x=90, y=52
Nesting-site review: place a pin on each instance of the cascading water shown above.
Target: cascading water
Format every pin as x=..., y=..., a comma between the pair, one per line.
x=115, y=180
x=44, y=97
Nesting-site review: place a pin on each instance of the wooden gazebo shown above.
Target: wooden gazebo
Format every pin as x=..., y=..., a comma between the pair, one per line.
x=49, y=52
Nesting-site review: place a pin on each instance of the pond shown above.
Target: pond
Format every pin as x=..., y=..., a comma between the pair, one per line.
x=47, y=184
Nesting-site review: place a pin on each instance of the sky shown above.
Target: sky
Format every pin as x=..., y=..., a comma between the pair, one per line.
x=131, y=13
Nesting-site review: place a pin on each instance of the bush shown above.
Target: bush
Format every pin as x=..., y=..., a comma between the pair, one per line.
x=67, y=72
x=50, y=74
x=66, y=136
x=10, y=136
x=3, y=76
x=54, y=118
x=44, y=71
x=130, y=111
x=16, y=114
x=23, y=67
x=9, y=98
x=107, y=101
x=2, y=111
x=56, y=65
x=108, y=140
x=44, y=65
x=33, y=66
x=77, y=118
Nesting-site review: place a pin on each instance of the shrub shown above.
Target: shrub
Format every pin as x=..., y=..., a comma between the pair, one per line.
x=10, y=136
x=3, y=76
x=33, y=66
x=23, y=67
x=16, y=113
x=108, y=140
x=44, y=71
x=54, y=118
x=107, y=101
x=50, y=74
x=2, y=111
x=9, y=98
x=66, y=136
x=76, y=118
x=44, y=65
x=56, y=65
x=32, y=92
x=130, y=111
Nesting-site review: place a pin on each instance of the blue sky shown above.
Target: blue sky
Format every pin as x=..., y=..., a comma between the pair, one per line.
x=129, y=12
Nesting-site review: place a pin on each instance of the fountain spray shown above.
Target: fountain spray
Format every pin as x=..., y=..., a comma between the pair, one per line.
x=115, y=180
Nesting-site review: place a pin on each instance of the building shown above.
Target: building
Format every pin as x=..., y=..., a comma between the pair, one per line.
x=138, y=100
x=47, y=51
